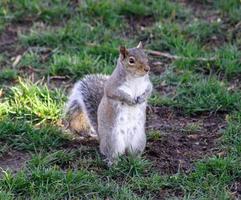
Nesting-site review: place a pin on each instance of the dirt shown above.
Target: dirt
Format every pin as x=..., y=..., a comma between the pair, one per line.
x=236, y=189
x=179, y=146
x=7, y=38
x=138, y=24
x=13, y=161
x=169, y=192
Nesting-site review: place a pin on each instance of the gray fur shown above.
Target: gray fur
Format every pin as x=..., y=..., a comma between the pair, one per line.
x=121, y=113
x=86, y=96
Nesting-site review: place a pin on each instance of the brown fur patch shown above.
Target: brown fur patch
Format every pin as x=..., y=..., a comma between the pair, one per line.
x=79, y=123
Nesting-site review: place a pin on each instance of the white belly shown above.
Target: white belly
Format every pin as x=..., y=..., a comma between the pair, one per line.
x=130, y=125
x=130, y=120
x=135, y=87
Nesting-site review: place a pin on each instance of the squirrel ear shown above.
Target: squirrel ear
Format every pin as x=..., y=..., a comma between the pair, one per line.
x=123, y=52
x=140, y=45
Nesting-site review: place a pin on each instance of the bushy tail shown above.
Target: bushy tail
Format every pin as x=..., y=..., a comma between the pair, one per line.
x=83, y=102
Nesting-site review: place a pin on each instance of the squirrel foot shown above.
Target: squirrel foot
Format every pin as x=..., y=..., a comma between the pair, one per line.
x=110, y=162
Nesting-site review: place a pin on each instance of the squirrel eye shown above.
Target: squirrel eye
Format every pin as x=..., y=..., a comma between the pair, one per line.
x=131, y=60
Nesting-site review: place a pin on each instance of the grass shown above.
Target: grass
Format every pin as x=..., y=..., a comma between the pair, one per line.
x=28, y=138
x=30, y=59
x=196, y=93
x=231, y=9
x=191, y=128
x=206, y=95
x=35, y=10
x=8, y=75
x=229, y=60
x=34, y=103
x=65, y=40
x=154, y=135
x=80, y=65
x=232, y=133
x=63, y=185
x=202, y=31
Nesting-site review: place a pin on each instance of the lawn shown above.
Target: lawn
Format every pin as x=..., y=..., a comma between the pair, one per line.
x=194, y=115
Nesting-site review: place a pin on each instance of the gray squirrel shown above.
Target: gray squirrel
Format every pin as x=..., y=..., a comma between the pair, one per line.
x=113, y=108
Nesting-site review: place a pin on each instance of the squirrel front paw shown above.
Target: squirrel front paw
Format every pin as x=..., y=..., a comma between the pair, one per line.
x=131, y=101
x=140, y=99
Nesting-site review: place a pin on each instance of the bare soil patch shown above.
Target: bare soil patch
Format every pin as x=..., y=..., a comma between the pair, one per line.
x=9, y=42
x=138, y=24
x=13, y=161
x=7, y=38
x=236, y=189
x=178, y=145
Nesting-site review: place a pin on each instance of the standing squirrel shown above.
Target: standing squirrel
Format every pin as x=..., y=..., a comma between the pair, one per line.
x=121, y=101
x=122, y=111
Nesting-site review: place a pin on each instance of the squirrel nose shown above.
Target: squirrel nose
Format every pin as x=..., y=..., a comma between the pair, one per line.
x=147, y=69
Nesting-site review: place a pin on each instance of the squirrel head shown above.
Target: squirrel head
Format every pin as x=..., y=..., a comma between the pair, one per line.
x=134, y=60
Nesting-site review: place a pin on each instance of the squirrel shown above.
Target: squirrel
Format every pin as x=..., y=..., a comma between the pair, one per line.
x=112, y=108
x=122, y=111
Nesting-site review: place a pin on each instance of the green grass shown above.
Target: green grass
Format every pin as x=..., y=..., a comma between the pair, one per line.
x=206, y=95
x=33, y=103
x=54, y=184
x=231, y=9
x=202, y=31
x=232, y=135
x=60, y=158
x=196, y=93
x=1, y=27
x=30, y=59
x=229, y=60
x=48, y=11
x=2, y=20
x=25, y=137
x=78, y=65
x=156, y=8
x=68, y=39
x=158, y=100
x=191, y=128
x=8, y=75
x=154, y=135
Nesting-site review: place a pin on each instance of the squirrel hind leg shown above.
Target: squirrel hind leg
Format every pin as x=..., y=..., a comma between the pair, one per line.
x=78, y=123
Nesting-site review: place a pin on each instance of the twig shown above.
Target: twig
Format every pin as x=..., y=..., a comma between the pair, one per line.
x=174, y=57
x=1, y=92
x=16, y=60
x=161, y=54
x=58, y=77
